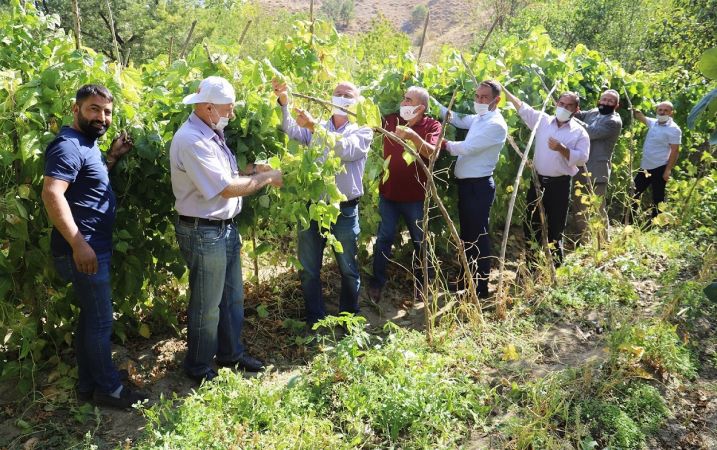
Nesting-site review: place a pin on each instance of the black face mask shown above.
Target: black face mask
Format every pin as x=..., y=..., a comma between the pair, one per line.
x=606, y=109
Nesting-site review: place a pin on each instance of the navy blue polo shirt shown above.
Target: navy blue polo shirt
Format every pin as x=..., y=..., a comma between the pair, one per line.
x=75, y=158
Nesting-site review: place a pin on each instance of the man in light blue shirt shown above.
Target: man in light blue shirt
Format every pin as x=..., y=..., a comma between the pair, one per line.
x=352, y=147
x=477, y=157
x=209, y=187
x=659, y=155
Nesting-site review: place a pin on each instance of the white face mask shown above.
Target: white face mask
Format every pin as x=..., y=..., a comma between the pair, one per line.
x=480, y=108
x=343, y=102
x=221, y=123
x=663, y=118
x=562, y=114
x=408, y=112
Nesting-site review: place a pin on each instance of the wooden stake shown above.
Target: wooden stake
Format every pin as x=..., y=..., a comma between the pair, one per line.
x=169, y=55
x=243, y=33
x=311, y=27
x=183, y=53
x=423, y=37
x=501, y=307
x=76, y=14
x=114, y=34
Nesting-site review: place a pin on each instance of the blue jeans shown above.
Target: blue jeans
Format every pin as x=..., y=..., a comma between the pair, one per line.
x=93, y=349
x=391, y=212
x=475, y=197
x=311, y=252
x=215, y=314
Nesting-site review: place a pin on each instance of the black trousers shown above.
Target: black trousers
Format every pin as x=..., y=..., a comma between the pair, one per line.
x=555, y=193
x=475, y=197
x=645, y=179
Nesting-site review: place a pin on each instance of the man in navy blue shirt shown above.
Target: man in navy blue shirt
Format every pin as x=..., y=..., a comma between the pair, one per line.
x=81, y=206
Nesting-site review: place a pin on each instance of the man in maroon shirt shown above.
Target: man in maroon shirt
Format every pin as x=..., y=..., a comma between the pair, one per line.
x=403, y=192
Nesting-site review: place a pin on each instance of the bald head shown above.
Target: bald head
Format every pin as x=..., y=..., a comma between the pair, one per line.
x=347, y=89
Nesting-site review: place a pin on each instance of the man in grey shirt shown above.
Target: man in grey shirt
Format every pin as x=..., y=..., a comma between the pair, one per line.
x=208, y=188
x=603, y=125
x=352, y=147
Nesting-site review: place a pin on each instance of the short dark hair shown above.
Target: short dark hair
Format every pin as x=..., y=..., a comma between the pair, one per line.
x=494, y=87
x=89, y=90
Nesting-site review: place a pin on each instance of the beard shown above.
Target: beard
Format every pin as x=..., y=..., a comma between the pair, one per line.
x=92, y=128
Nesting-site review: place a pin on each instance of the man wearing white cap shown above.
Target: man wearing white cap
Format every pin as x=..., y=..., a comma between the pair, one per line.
x=209, y=187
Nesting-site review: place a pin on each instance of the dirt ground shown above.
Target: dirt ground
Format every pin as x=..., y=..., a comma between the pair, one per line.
x=270, y=333
x=453, y=22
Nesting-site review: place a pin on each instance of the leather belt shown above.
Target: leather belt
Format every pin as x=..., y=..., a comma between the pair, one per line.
x=349, y=203
x=202, y=221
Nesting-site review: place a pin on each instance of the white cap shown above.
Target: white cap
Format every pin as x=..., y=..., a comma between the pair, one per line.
x=215, y=90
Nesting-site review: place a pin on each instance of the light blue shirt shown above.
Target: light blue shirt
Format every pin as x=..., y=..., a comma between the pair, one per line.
x=352, y=148
x=478, y=154
x=656, y=149
x=202, y=166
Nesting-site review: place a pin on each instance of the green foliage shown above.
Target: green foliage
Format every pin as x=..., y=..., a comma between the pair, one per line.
x=654, y=345
x=341, y=12
x=359, y=392
x=580, y=286
x=614, y=424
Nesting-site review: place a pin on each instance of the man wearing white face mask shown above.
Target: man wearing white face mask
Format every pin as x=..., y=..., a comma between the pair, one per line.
x=561, y=145
x=352, y=148
x=209, y=187
x=659, y=154
x=477, y=157
x=401, y=195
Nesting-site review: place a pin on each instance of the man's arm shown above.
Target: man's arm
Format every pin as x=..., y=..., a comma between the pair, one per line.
x=424, y=148
x=640, y=116
x=246, y=185
x=674, y=153
x=118, y=149
x=58, y=210
x=492, y=135
x=604, y=129
x=463, y=121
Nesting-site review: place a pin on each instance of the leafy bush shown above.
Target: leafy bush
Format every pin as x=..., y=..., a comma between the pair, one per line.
x=341, y=12
x=580, y=286
x=612, y=425
x=359, y=392
x=654, y=344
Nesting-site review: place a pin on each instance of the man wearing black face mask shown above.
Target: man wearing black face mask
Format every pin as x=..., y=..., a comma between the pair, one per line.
x=603, y=125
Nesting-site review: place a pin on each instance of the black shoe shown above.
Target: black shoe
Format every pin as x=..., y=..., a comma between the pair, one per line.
x=245, y=362
x=457, y=286
x=206, y=377
x=85, y=397
x=374, y=294
x=127, y=398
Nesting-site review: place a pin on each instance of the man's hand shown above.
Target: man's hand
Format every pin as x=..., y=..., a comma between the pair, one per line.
x=304, y=119
x=558, y=146
x=281, y=91
x=275, y=177
x=84, y=257
x=261, y=167
x=120, y=146
x=666, y=174
x=406, y=133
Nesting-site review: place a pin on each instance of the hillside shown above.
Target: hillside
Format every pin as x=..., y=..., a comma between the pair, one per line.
x=452, y=21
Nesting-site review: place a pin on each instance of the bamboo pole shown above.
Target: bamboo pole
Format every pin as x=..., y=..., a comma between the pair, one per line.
x=631, y=188
x=169, y=55
x=76, y=14
x=511, y=205
x=311, y=26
